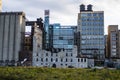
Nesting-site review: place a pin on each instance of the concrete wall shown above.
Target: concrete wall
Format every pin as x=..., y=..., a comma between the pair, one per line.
x=12, y=28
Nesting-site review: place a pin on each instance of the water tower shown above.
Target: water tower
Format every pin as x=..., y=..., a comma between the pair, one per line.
x=89, y=7
x=82, y=7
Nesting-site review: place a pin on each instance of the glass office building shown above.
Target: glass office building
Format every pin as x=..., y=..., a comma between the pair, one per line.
x=91, y=28
x=63, y=36
x=46, y=27
x=57, y=36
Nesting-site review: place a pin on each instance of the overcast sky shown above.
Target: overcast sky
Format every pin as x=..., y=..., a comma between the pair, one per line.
x=64, y=11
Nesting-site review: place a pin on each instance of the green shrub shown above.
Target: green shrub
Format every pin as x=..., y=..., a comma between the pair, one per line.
x=35, y=73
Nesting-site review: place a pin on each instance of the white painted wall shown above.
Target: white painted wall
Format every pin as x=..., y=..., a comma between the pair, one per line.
x=42, y=54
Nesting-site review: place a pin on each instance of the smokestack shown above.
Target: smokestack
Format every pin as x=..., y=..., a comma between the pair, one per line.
x=82, y=7
x=89, y=7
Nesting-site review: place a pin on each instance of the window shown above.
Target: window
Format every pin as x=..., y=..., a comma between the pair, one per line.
x=66, y=60
x=66, y=54
x=60, y=38
x=100, y=14
x=89, y=14
x=41, y=59
x=37, y=54
x=78, y=60
x=85, y=60
x=56, y=59
x=51, y=59
x=37, y=59
x=71, y=60
x=113, y=50
x=71, y=54
x=46, y=59
x=61, y=60
x=95, y=14
x=113, y=46
x=83, y=14
x=81, y=60
x=46, y=54
x=38, y=45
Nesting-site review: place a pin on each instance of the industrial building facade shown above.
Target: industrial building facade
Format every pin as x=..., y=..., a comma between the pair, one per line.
x=12, y=29
x=25, y=56
x=61, y=59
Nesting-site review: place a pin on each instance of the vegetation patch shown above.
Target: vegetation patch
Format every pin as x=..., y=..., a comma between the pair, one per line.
x=37, y=73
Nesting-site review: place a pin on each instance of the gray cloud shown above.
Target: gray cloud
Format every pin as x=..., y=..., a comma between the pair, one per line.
x=64, y=11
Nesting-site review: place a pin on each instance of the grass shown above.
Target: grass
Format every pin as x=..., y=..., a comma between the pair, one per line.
x=32, y=73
